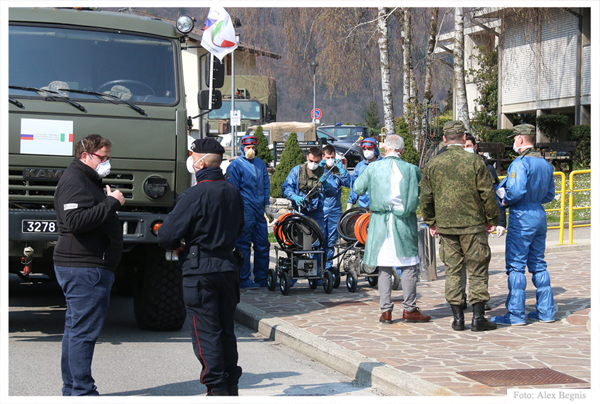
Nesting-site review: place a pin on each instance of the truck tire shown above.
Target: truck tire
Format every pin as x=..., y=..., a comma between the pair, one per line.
x=158, y=293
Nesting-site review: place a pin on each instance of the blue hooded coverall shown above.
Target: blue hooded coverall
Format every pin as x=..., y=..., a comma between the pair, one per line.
x=333, y=211
x=314, y=208
x=363, y=200
x=250, y=177
x=529, y=184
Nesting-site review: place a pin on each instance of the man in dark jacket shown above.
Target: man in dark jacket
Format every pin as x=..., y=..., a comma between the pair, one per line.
x=88, y=250
x=209, y=217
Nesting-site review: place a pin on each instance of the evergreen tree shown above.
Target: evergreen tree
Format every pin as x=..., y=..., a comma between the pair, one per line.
x=371, y=116
x=410, y=155
x=262, y=148
x=291, y=157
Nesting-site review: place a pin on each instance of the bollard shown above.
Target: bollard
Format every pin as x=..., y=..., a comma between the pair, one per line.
x=427, y=263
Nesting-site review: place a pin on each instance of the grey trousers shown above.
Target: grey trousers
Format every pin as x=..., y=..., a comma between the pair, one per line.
x=409, y=288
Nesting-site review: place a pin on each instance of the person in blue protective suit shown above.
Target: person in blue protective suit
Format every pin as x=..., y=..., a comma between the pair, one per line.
x=249, y=175
x=307, y=186
x=370, y=154
x=333, y=205
x=529, y=184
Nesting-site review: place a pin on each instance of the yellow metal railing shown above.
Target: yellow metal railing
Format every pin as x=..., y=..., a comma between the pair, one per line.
x=571, y=208
x=562, y=192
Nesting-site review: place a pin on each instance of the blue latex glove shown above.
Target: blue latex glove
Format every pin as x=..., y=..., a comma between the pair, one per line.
x=299, y=200
x=324, y=181
x=340, y=166
x=322, y=163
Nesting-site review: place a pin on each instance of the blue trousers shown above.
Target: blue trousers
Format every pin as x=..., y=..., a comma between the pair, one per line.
x=255, y=233
x=87, y=293
x=330, y=232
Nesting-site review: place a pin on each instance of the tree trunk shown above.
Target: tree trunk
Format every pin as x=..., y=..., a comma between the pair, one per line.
x=406, y=66
x=427, y=96
x=462, y=106
x=384, y=61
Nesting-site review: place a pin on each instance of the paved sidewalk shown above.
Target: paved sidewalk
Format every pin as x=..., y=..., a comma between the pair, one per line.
x=342, y=330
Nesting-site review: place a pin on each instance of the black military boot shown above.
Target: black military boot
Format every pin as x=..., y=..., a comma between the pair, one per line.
x=479, y=322
x=459, y=318
x=217, y=390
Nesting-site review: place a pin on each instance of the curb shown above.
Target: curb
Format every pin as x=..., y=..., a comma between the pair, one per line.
x=365, y=371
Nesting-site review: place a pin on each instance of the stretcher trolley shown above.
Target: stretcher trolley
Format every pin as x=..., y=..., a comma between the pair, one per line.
x=352, y=228
x=300, y=239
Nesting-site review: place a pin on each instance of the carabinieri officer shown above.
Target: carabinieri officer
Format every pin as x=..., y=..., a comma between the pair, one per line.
x=209, y=217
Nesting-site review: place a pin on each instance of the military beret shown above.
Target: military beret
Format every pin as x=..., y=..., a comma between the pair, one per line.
x=207, y=145
x=523, y=130
x=454, y=127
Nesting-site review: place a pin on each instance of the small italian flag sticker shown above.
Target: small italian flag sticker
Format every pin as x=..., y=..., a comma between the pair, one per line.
x=66, y=137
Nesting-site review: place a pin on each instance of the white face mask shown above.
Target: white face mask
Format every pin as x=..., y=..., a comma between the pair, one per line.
x=369, y=154
x=515, y=147
x=469, y=150
x=189, y=164
x=250, y=154
x=312, y=166
x=103, y=169
x=330, y=162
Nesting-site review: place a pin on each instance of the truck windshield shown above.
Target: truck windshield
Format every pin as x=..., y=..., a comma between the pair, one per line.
x=135, y=68
x=249, y=109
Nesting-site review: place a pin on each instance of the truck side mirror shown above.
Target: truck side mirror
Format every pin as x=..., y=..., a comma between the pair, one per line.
x=203, y=100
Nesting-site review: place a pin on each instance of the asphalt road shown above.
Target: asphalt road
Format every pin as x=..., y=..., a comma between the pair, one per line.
x=132, y=362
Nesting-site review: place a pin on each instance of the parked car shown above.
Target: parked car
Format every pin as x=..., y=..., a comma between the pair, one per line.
x=344, y=139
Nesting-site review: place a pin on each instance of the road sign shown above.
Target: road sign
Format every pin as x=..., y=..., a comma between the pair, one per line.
x=315, y=113
x=236, y=119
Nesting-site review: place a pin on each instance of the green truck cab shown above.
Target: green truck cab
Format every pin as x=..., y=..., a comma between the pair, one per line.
x=77, y=72
x=255, y=98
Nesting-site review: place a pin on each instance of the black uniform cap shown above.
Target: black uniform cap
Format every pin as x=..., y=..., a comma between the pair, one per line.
x=207, y=145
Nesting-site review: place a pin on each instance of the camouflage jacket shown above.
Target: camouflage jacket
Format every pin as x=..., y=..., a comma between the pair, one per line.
x=457, y=193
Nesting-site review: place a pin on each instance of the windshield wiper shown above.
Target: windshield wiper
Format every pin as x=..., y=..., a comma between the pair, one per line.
x=39, y=90
x=134, y=107
x=17, y=103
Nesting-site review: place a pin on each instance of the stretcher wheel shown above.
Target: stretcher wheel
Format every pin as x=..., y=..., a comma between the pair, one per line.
x=395, y=279
x=284, y=284
x=351, y=280
x=271, y=279
x=327, y=282
x=313, y=283
x=336, y=277
x=373, y=280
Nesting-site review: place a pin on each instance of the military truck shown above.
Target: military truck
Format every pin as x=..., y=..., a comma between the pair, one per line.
x=255, y=98
x=77, y=72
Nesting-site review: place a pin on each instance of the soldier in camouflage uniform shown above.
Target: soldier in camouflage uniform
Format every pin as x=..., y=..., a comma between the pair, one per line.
x=458, y=202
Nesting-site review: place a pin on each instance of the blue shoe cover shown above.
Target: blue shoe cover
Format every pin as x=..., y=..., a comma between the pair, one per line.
x=508, y=319
x=534, y=315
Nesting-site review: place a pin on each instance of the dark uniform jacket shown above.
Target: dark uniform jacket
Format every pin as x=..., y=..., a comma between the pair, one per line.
x=457, y=193
x=209, y=216
x=90, y=234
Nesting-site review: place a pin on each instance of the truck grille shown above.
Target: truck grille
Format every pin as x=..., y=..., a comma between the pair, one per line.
x=39, y=188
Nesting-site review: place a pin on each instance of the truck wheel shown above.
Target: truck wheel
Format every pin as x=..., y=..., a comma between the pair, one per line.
x=395, y=279
x=158, y=293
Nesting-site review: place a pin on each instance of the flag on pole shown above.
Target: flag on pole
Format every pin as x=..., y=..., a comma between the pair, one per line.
x=219, y=35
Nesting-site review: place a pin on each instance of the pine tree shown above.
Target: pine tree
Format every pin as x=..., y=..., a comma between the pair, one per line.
x=262, y=148
x=291, y=157
x=371, y=115
x=410, y=155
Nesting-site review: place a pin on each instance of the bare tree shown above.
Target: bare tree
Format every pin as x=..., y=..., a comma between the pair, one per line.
x=406, y=64
x=462, y=107
x=427, y=94
x=386, y=87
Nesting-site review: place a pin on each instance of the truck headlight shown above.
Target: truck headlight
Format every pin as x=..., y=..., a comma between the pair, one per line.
x=185, y=24
x=155, y=187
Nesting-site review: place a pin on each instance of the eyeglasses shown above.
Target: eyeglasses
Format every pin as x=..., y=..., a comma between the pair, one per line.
x=102, y=158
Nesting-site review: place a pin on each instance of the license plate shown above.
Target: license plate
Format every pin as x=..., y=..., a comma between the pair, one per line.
x=39, y=226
